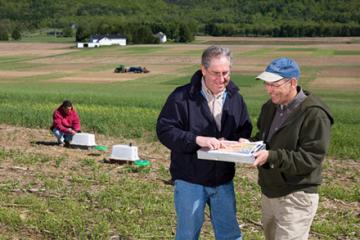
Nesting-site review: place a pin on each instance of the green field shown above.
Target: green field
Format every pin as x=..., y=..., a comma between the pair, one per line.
x=91, y=200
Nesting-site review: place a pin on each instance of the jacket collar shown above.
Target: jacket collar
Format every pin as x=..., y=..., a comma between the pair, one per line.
x=309, y=102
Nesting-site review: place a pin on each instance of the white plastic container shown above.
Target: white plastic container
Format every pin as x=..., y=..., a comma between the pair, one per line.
x=240, y=153
x=83, y=139
x=124, y=152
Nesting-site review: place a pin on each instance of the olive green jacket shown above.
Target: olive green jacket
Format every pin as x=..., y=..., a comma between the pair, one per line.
x=296, y=150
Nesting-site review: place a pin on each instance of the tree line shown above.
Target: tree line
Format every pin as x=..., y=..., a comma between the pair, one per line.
x=180, y=20
x=137, y=32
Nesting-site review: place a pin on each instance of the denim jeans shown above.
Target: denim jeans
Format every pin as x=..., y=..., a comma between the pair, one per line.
x=61, y=137
x=190, y=201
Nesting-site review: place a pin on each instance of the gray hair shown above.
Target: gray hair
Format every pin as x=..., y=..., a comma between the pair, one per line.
x=215, y=52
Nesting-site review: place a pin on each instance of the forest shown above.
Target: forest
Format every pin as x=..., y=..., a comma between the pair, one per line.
x=181, y=20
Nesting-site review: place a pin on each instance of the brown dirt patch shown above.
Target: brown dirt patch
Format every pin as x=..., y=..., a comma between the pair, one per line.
x=42, y=142
x=65, y=67
x=99, y=77
x=353, y=72
x=329, y=61
x=336, y=83
x=38, y=49
x=13, y=74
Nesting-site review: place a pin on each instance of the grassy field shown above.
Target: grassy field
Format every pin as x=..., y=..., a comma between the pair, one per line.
x=52, y=193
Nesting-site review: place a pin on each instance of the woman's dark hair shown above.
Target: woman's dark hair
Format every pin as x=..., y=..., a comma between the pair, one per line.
x=66, y=104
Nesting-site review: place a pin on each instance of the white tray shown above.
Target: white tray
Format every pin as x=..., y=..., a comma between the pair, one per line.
x=226, y=157
x=244, y=155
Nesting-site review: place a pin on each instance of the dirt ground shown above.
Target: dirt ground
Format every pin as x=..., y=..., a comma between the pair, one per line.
x=42, y=142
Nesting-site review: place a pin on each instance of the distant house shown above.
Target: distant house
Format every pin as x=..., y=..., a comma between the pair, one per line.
x=107, y=40
x=103, y=40
x=161, y=36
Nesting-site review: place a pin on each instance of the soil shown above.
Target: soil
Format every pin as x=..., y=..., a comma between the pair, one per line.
x=40, y=141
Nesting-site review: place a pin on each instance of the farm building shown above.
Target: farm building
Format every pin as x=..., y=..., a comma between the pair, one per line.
x=161, y=36
x=103, y=40
x=107, y=40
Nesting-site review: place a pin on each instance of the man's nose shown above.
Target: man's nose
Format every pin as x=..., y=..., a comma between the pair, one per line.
x=269, y=90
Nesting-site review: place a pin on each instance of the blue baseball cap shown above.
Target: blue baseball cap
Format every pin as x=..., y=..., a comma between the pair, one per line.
x=280, y=68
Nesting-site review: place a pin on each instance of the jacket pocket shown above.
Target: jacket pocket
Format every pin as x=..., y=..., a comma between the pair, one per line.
x=271, y=178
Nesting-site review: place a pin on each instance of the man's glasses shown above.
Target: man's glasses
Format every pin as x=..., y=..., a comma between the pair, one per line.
x=219, y=74
x=276, y=84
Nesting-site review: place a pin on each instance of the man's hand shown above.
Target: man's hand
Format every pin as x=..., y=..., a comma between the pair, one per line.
x=208, y=142
x=243, y=140
x=72, y=131
x=261, y=157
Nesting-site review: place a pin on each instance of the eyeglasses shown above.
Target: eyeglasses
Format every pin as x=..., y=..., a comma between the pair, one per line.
x=276, y=84
x=219, y=74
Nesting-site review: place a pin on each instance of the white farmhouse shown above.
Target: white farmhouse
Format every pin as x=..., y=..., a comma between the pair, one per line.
x=102, y=40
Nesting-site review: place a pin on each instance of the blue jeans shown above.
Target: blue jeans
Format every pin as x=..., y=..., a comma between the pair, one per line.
x=61, y=137
x=190, y=201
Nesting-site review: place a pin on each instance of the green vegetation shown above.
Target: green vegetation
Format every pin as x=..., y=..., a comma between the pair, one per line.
x=121, y=205
x=94, y=200
x=180, y=20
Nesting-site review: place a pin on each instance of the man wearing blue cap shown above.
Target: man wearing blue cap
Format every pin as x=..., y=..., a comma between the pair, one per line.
x=295, y=125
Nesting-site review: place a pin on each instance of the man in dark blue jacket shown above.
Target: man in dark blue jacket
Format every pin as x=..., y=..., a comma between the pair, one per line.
x=201, y=114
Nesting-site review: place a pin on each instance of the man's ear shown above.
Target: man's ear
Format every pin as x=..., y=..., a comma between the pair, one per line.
x=293, y=82
x=203, y=70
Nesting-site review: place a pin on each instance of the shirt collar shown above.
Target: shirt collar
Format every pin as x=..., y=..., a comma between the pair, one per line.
x=299, y=98
x=208, y=93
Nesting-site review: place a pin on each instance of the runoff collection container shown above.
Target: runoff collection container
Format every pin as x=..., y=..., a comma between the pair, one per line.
x=83, y=140
x=124, y=152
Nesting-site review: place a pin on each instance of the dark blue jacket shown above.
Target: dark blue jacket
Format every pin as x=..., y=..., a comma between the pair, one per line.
x=186, y=115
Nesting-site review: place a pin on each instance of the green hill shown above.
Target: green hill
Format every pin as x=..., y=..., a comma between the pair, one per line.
x=279, y=18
